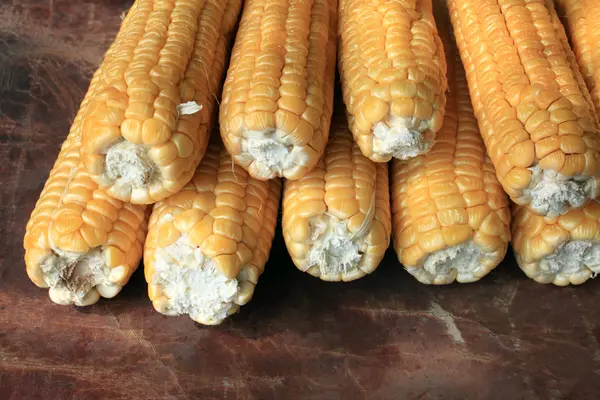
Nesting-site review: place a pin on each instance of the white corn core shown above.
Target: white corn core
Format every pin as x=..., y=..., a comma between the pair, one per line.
x=465, y=262
x=396, y=137
x=80, y=279
x=192, y=283
x=552, y=194
x=334, y=249
x=572, y=258
x=273, y=151
x=130, y=164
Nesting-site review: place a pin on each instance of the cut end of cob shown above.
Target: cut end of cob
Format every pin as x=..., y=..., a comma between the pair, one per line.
x=270, y=151
x=574, y=262
x=562, y=251
x=130, y=165
x=466, y=262
x=190, y=283
x=208, y=244
x=553, y=194
x=81, y=279
x=335, y=250
x=397, y=138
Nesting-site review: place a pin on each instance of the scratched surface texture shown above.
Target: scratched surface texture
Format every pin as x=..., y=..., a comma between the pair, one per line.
x=384, y=337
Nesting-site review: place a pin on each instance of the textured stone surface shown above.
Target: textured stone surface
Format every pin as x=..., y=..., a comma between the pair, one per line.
x=383, y=337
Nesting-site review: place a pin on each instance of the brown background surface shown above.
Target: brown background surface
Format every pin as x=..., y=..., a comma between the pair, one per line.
x=383, y=337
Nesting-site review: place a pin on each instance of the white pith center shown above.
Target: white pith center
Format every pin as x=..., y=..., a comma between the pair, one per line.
x=80, y=279
x=553, y=194
x=334, y=249
x=269, y=148
x=397, y=137
x=130, y=163
x=192, y=283
x=573, y=257
x=465, y=258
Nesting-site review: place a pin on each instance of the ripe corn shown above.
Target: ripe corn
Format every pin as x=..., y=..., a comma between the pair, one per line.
x=148, y=120
x=208, y=244
x=543, y=136
x=582, y=20
x=564, y=250
x=80, y=242
x=450, y=214
x=393, y=73
x=278, y=95
x=336, y=219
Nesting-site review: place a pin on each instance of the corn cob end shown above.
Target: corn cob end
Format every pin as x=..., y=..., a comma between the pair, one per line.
x=130, y=164
x=186, y=281
x=80, y=279
x=336, y=253
x=272, y=153
x=563, y=250
x=464, y=263
x=573, y=263
x=80, y=255
x=208, y=244
x=397, y=138
x=552, y=194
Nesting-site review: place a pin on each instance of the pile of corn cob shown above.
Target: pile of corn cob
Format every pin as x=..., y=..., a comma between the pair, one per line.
x=501, y=106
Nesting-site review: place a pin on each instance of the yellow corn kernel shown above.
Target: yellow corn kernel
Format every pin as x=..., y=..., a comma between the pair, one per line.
x=393, y=73
x=146, y=125
x=465, y=239
x=211, y=267
x=534, y=111
x=79, y=242
x=336, y=219
x=278, y=95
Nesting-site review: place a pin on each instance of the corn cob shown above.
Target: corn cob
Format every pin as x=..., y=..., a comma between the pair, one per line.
x=80, y=242
x=336, y=219
x=582, y=20
x=278, y=95
x=147, y=125
x=543, y=135
x=208, y=244
x=450, y=214
x=393, y=72
x=564, y=250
